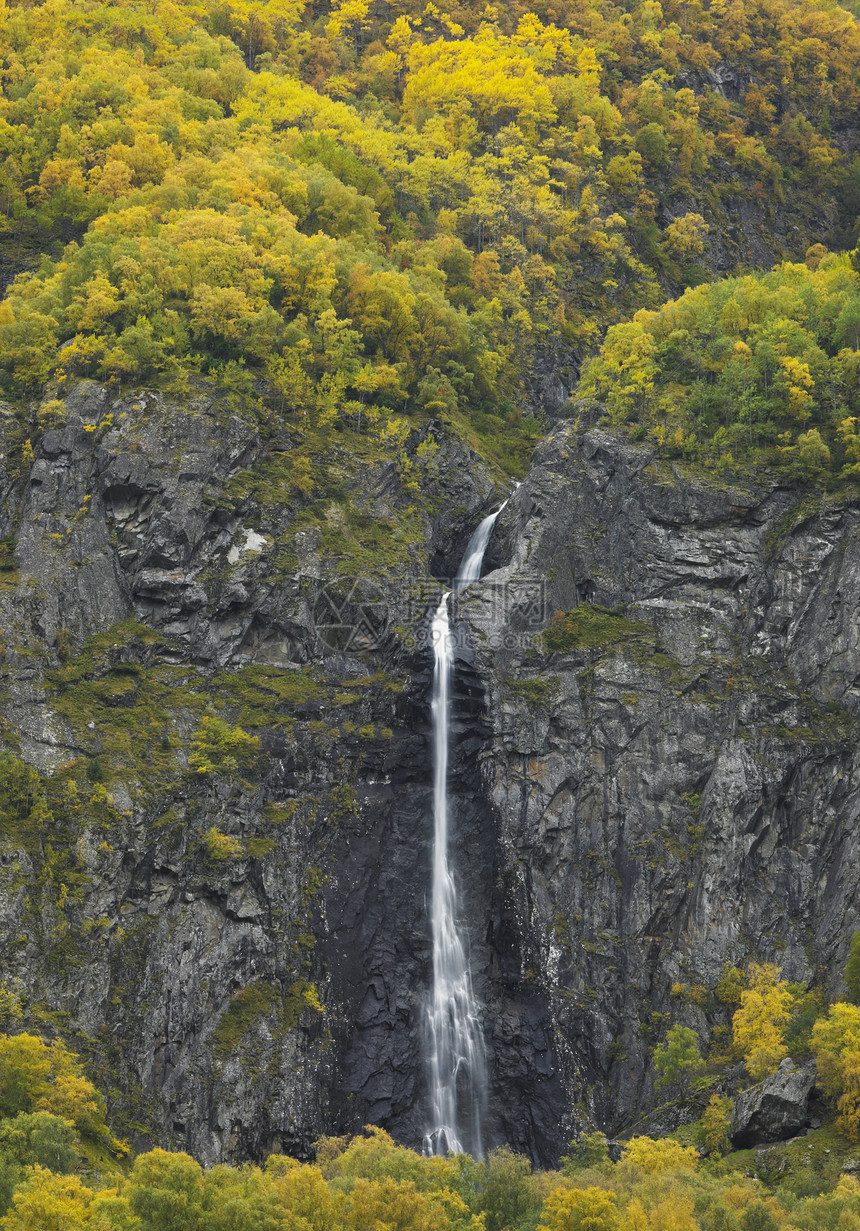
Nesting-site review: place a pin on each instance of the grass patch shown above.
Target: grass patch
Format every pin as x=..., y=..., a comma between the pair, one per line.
x=278, y=814
x=259, y=848
x=264, y=695
x=320, y=484
x=245, y=1009
x=536, y=694
x=8, y=567
x=291, y=479
x=259, y=1001
x=505, y=442
x=804, y=1166
x=130, y=715
x=773, y=539
x=362, y=543
x=591, y=627
x=129, y=635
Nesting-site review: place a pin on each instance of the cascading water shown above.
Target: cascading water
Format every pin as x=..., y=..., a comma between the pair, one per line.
x=473, y=557
x=455, y=1042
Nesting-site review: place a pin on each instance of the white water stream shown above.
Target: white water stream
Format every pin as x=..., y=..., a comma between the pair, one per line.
x=455, y=1042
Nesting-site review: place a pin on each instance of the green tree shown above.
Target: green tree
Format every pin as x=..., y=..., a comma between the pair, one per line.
x=678, y=1060
x=509, y=1193
x=719, y=1218
x=167, y=1193
x=653, y=144
x=39, y=1137
x=758, y=1217
x=590, y=1150
x=34, y=1138
x=808, y=460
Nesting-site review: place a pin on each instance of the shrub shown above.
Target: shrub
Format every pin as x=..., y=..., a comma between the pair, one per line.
x=678, y=1060
x=580, y=1209
x=712, y=1131
x=218, y=748
x=221, y=847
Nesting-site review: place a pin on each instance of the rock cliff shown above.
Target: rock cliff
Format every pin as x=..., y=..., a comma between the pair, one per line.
x=658, y=780
x=673, y=767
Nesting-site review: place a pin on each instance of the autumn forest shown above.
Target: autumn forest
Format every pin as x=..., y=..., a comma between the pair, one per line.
x=382, y=211
x=358, y=218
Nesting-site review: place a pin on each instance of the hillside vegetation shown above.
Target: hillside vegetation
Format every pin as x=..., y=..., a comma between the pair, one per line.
x=387, y=211
x=352, y=220
x=762, y=369
x=61, y=1169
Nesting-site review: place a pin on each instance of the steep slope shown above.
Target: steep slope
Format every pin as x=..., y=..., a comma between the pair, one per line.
x=179, y=894
x=386, y=212
x=236, y=933
x=673, y=764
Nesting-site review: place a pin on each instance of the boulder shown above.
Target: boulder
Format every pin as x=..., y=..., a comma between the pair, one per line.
x=776, y=1109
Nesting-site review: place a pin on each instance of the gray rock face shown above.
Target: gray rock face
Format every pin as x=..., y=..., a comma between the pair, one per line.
x=776, y=1109
x=257, y=997
x=677, y=788
x=673, y=787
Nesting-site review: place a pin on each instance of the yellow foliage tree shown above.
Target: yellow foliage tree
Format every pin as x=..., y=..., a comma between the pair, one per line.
x=305, y=1193
x=656, y=1156
x=685, y=237
x=37, y=1077
x=388, y=1203
x=262, y=25
x=624, y=372
x=492, y=75
x=673, y=1213
x=759, y=1024
x=348, y=17
x=48, y=1202
x=714, y=1132
x=580, y=1209
x=835, y=1043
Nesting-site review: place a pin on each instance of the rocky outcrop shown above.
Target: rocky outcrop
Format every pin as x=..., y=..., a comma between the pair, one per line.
x=676, y=781
x=239, y=953
x=238, y=940
x=776, y=1109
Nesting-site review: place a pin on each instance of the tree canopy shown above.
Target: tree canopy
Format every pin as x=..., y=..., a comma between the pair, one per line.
x=761, y=368
x=380, y=212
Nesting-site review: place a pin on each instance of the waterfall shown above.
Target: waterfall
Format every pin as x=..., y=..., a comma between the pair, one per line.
x=455, y=1043
x=473, y=557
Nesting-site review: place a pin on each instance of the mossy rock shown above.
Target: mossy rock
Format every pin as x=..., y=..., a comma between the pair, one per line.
x=536, y=694
x=259, y=1001
x=591, y=627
